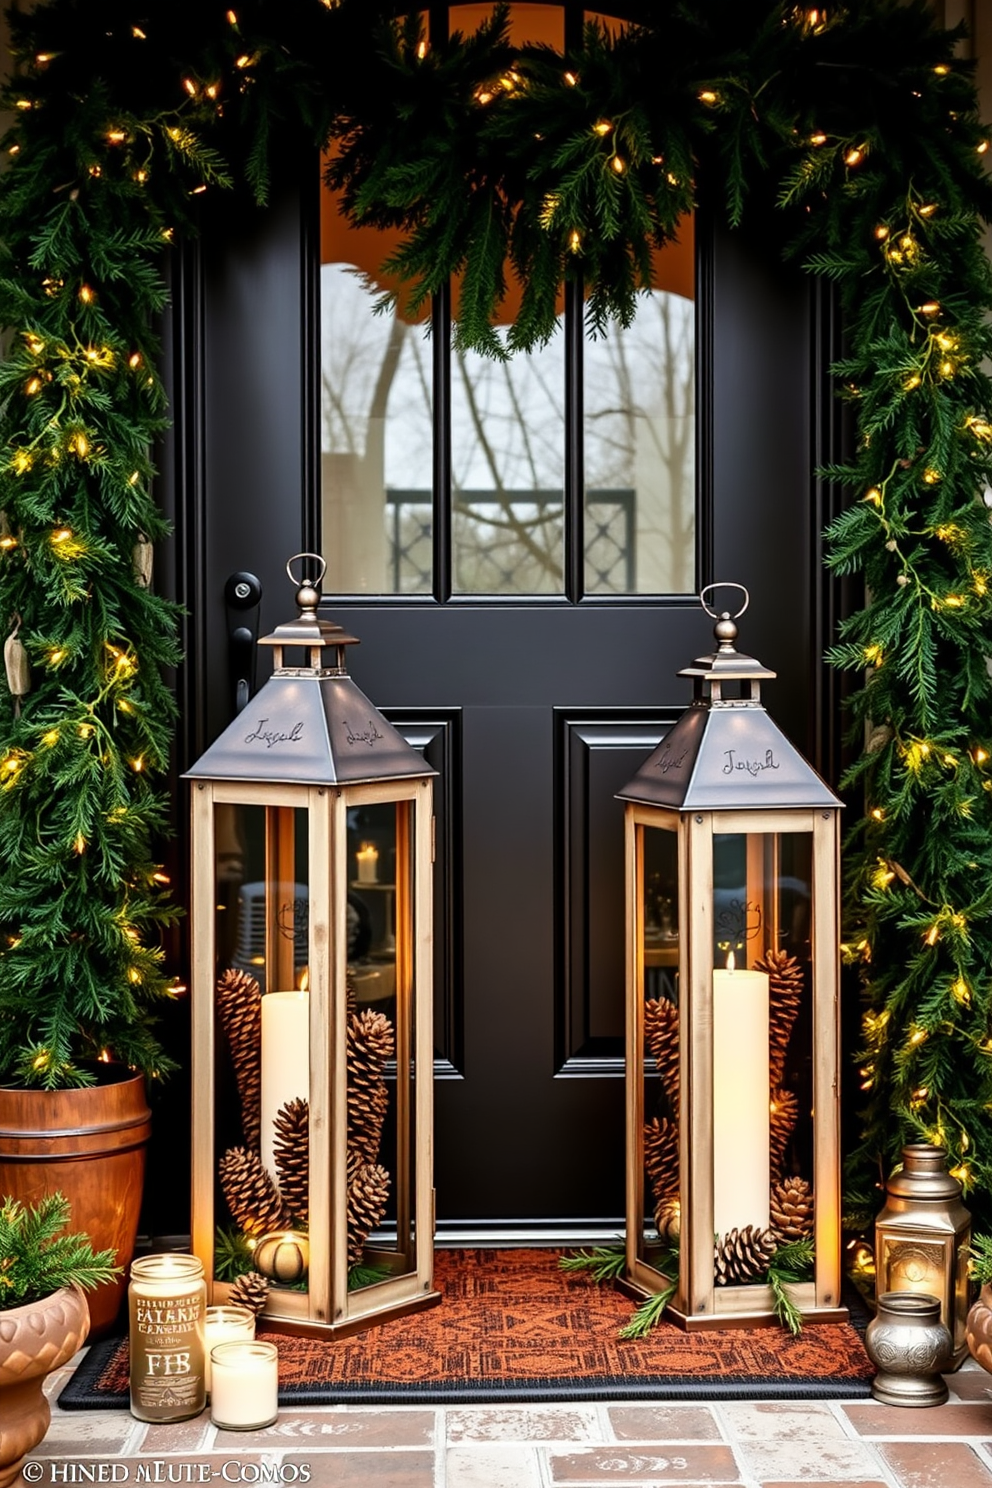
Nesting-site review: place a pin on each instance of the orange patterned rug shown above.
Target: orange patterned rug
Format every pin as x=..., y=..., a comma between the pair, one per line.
x=513, y=1327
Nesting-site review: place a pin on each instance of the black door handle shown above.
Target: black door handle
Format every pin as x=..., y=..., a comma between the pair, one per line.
x=242, y=596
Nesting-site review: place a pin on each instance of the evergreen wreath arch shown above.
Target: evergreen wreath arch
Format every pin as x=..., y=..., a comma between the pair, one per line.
x=859, y=123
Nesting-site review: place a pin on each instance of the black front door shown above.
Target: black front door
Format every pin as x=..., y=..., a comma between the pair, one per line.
x=537, y=702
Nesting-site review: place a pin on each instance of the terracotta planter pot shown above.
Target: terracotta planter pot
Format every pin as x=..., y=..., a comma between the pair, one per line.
x=978, y=1329
x=34, y=1340
x=89, y=1143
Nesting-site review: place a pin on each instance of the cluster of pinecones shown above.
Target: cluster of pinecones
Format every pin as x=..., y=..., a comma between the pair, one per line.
x=255, y=1203
x=743, y=1255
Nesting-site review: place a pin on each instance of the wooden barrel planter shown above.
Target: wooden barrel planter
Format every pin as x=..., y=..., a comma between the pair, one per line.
x=90, y=1144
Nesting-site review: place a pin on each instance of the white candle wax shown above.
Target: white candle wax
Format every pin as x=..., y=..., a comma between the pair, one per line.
x=285, y=1062
x=368, y=863
x=244, y=1393
x=225, y=1325
x=741, y=1165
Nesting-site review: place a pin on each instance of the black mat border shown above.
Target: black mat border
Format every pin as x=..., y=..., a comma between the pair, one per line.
x=78, y=1392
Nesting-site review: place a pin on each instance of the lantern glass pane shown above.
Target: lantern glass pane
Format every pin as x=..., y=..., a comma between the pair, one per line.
x=381, y=1105
x=262, y=924
x=659, y=970
x=762, y=1035
x=915, y=1263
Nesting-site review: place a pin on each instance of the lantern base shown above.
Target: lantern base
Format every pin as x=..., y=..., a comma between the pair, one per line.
x=731, y=1309
x=346, y=1327
x=707, y=1322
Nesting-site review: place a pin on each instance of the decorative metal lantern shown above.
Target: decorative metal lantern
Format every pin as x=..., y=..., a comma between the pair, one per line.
x=732, y=1007
x=922, y=1237
x=312, y=1009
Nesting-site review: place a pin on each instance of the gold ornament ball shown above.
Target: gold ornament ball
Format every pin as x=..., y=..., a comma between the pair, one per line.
x=283, y=1256
x=669, y=1220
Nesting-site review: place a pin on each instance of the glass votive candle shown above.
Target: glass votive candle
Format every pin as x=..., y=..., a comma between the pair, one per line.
x=225, y=1325
x=244, y=1385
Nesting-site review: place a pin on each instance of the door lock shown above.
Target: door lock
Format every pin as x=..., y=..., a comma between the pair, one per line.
x=242, y=597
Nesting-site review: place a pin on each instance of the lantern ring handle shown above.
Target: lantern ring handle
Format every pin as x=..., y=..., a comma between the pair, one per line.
x=301, y=580
x=728, y=584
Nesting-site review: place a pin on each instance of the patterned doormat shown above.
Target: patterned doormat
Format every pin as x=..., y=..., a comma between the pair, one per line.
x=513, y=1327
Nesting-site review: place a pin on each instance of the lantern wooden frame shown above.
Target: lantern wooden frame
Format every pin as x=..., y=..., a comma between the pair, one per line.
x=345, y=743
x=682, y=790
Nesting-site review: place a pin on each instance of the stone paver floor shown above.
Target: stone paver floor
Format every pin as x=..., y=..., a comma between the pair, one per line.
x=773, y=1444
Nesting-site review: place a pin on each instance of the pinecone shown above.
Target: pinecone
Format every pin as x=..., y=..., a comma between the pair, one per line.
x=366, y=1114
x=668, y=1218
x=783, y=1112
x=785, y=991
x=368, y=1192
x=370, y=1043
x=291, y=1148
x=252, y=1197
x=250, y=1290
x=239, y=1008
x=791, y=1209
x=661, y=1034
x=661, y=1158
x=742, y=1256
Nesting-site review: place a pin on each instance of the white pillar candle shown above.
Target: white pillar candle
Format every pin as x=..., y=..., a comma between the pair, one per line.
x=741, y=1164
x=244, y=1391
x=285, y=1062
x=225, y=1325
x=368, y=863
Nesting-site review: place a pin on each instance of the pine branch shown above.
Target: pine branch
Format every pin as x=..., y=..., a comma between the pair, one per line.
x=603, y=1263
x=36, y=1259
x=649, y=1314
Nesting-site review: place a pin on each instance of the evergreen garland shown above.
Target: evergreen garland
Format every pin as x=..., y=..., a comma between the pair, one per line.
x=861, y=125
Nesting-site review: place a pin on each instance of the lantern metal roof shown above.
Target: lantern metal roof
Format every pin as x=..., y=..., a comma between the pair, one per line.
x=310, y=725
x=725, y=753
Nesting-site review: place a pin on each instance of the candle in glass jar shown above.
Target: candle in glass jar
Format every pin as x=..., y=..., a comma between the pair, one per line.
x=166, y=1304
x=244, y=1390
x=285, y=1063
x=368, y=863
x=224, y=1325
x=741, y=1160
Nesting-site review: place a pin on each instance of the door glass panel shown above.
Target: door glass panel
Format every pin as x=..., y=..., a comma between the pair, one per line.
x=530, y=24
x=375, y=420
x=508, y=422
x=507, y=463
x=640, y=439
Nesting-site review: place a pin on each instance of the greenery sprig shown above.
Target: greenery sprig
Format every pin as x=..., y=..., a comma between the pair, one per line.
x=854, y=131
x=790, y=1264
x=980, y=1259
x=36, y=1259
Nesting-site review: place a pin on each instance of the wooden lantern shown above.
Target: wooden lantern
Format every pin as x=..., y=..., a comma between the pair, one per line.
x=732, y=1008
x=312, y=1009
